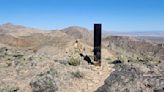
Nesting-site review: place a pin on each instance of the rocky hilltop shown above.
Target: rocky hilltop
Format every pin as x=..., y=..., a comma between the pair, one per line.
x=33, y=60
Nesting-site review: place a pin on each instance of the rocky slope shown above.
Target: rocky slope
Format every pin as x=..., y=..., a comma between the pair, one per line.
x=135, y=48
x=138, y=67
x=23, y=70
x=79, y=33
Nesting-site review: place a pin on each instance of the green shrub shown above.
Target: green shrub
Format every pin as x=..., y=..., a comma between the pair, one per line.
x=18, y=56
x=8, y=63
x=52, y=71
x=74, y=61
x=108, y=58
x=123, y=58
x=9, y=87
x=77, y=74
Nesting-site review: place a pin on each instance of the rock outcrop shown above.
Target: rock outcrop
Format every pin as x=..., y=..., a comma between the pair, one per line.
x=135, y=77
x=43, y=83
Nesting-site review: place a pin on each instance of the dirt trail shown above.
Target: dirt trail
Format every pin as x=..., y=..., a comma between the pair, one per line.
x=92, y=80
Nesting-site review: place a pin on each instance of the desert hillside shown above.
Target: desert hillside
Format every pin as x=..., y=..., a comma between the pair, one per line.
x=33, y=60
x=17, y=30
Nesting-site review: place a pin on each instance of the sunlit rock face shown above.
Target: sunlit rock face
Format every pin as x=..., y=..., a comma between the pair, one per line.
x=135, y=77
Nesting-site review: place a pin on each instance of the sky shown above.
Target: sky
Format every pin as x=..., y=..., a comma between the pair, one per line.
x=114, y=15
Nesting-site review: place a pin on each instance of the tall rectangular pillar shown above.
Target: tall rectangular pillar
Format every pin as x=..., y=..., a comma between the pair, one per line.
x=97, y=43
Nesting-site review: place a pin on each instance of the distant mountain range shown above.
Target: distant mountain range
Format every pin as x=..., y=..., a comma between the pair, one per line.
x=22, y=30
x=146, y=33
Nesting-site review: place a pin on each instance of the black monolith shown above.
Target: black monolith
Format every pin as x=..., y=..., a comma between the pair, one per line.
x=97, y=43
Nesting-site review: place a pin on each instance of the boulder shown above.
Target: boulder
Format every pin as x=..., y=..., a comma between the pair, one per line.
x=43, y=83
x=130, y=78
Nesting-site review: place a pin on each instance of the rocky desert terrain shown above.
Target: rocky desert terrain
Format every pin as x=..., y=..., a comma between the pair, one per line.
x=34, y=60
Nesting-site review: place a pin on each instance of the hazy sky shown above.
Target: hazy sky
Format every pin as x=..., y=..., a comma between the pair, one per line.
x=116, y=15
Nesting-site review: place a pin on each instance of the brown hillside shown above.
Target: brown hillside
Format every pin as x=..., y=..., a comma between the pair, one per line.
x=13, y=41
